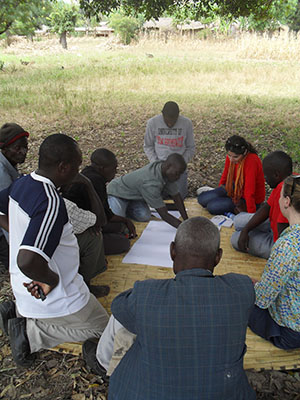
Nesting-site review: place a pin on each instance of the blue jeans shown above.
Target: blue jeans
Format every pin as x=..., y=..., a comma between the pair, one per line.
x=261, y=323
x=135, y=209
x=260, y=238
x=216, y=201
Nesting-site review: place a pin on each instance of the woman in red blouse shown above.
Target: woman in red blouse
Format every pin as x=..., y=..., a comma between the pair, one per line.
x=242, y=184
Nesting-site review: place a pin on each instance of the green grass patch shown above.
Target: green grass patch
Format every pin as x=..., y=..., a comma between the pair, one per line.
x=112, y=92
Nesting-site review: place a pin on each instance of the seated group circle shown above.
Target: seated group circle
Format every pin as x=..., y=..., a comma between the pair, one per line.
x=61, y=225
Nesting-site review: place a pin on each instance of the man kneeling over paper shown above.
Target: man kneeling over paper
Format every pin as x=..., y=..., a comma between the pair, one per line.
x=188, y=333
x=131, y=195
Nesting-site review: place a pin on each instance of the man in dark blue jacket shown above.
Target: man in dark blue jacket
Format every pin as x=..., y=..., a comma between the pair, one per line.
x=190, y=330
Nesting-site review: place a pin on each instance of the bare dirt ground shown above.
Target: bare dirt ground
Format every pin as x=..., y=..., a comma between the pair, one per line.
x=64, y=377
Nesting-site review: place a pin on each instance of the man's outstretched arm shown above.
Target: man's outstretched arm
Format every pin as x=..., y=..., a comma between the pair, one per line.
x=165, y=216
x=180, y=205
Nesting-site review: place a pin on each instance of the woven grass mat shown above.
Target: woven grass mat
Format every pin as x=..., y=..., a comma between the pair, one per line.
x=260, y=354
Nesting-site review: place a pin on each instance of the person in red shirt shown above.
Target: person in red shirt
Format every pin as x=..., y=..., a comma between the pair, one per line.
x=256, y=233
x=242, y=184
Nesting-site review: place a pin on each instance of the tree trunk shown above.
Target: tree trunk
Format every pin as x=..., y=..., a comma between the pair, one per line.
x=8, y=25
x=8, y=38
x=63, y=40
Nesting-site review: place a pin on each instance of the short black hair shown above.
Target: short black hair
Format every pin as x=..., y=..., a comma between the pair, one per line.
x=103, y=157
x=55, y=149
x=171, y=109
x=279, y=161
x=176, y=159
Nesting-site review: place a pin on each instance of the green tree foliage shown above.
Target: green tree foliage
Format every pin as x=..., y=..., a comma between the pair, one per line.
x=22, y=17
x=294, y=18
x=279, y=13
x=196, y=8
x=63, y=20
x=124, y=26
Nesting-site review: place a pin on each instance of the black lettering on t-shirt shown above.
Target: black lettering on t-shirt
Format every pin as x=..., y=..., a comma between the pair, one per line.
x=169, y=131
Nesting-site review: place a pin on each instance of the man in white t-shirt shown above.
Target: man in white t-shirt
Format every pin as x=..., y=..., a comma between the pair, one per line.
x=53, y=304
x=169, y=133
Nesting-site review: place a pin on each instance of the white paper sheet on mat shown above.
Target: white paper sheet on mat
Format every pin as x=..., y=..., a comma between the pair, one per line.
x=153, y=247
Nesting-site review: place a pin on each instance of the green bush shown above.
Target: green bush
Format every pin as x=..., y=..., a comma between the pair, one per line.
x=204, y=34
x=124, y=26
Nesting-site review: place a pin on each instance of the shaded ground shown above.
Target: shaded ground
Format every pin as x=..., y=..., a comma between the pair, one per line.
x=62, y=377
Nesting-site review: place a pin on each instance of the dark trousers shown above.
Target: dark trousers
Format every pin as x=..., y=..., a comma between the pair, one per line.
x=4, y=252
x=261, y=323
x=91, y=252
x=114, y=238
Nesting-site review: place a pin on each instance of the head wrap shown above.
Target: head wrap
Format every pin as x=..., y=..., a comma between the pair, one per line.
x=9, y=133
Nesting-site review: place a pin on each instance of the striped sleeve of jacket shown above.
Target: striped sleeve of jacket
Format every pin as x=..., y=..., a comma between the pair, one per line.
x=46, y=223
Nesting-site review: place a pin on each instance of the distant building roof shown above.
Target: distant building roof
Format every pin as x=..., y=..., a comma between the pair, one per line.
x=161, y=23
x=191, y=26
x=103, y=28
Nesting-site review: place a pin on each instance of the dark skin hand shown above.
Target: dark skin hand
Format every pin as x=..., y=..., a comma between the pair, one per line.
x=4, y=222
x=32, y=288
x=128, y=223
x=35, y=267
x=260, y=216
x=165, y=216
x=240, y=207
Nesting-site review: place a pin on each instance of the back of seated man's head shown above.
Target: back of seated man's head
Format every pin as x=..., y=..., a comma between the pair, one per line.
x=170, y=113
x=56, y=149
x=105, y=162
x=277, y=166
x=196, y=245
x=103, y=157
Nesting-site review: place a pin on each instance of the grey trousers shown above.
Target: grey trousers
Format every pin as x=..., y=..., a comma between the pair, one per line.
x=89, y=322
x=260, y=238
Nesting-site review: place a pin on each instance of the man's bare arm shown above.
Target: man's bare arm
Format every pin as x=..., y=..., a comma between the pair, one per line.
x=4, y=222
x=163, y=212
x=260, y=216
x=180, y=205
x=281, y=226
